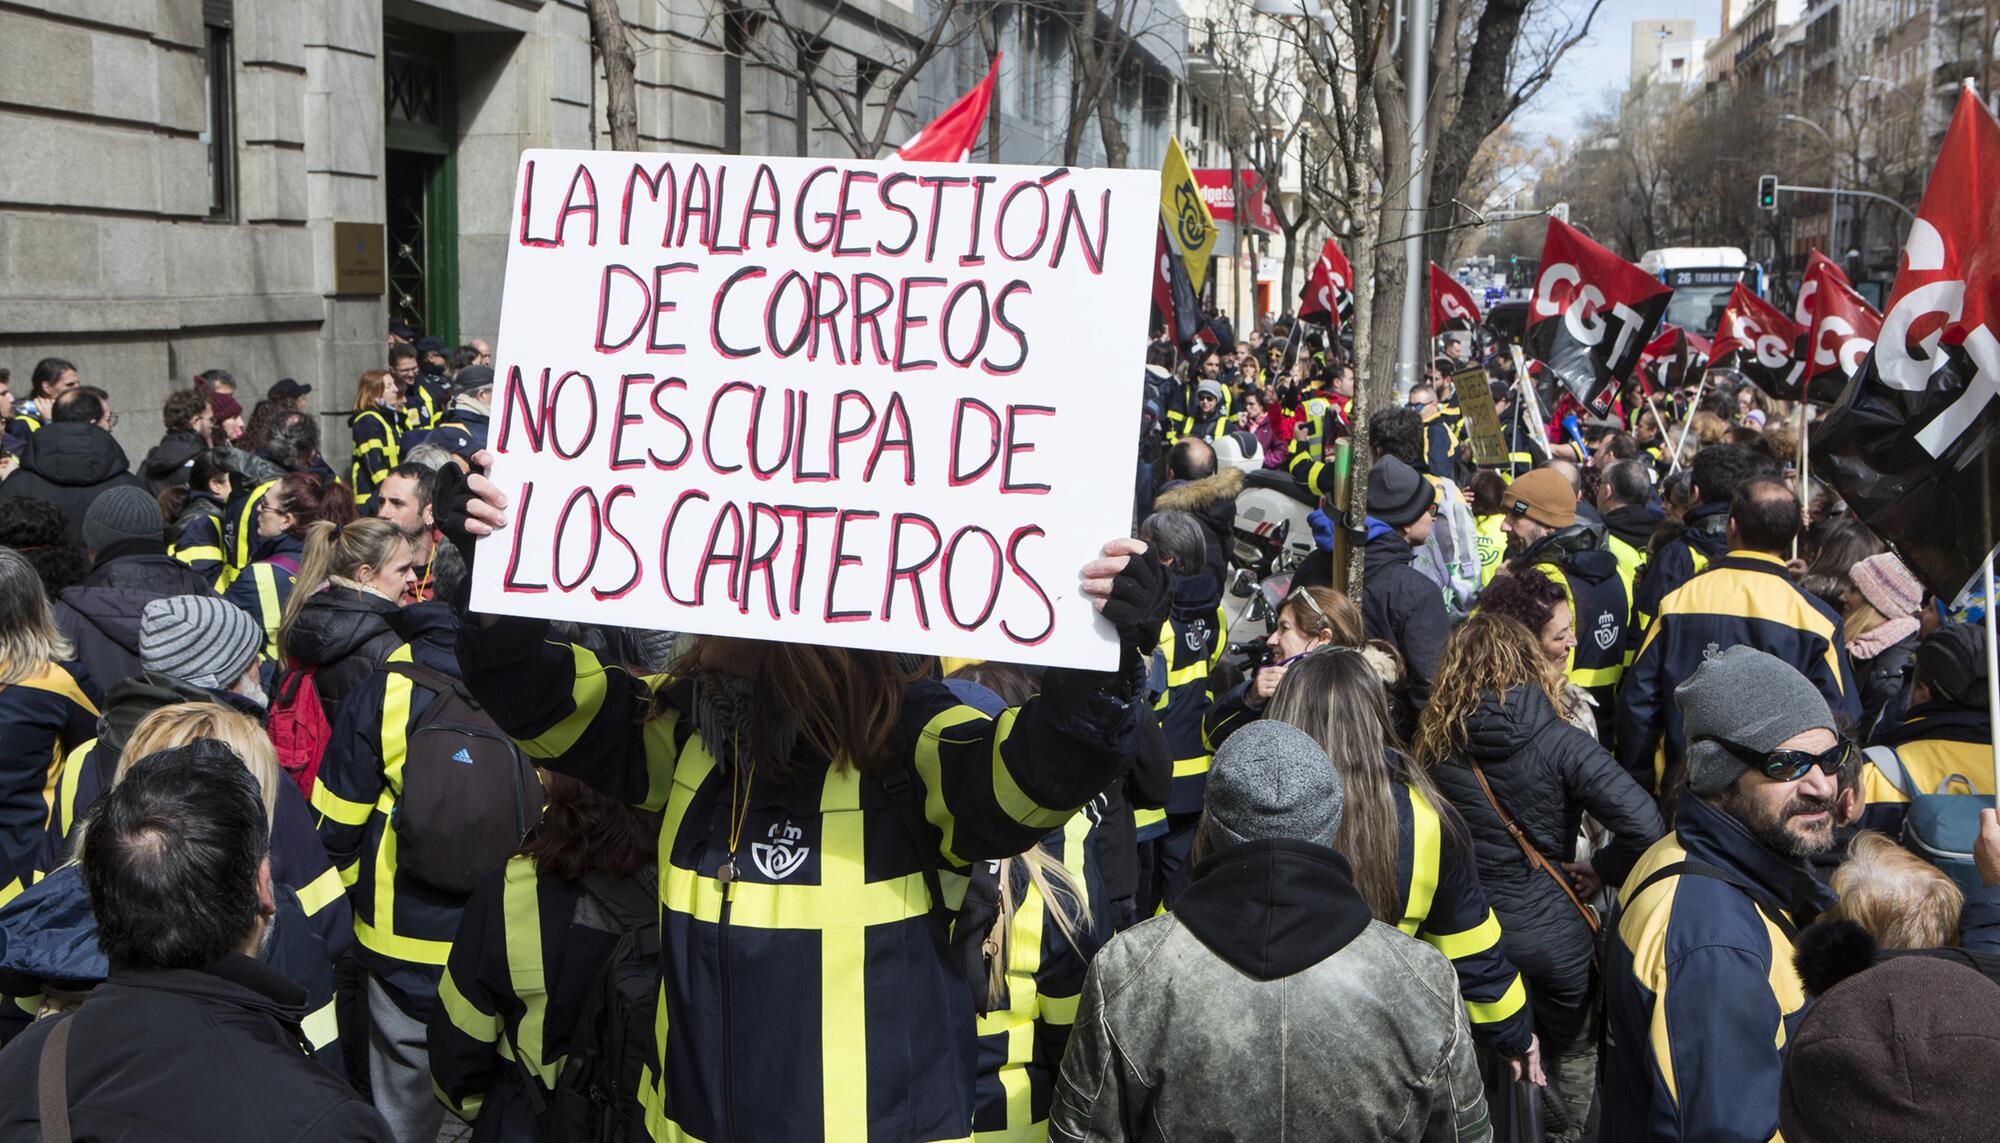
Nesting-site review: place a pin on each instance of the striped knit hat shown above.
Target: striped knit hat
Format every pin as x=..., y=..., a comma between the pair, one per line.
x=198, y=639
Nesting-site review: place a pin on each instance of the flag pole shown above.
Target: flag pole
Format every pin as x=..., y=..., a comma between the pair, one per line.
x=1992, y=675
x=1805, y=472
x=1694, y=406
x=1661, y=423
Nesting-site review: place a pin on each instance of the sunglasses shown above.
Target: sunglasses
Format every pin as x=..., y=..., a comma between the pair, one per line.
x=1786, y=765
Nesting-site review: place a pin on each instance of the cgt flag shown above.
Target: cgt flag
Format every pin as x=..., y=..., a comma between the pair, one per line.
x=1190, y=228
x=1592, y=316
x=1843, y=330
x=1452, y=306
x=1819, y=268
x=1910, y=444
x=1761, y=343
x=1329, y=296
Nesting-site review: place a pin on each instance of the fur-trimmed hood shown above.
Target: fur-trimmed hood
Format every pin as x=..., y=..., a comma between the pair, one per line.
x=1197, y=495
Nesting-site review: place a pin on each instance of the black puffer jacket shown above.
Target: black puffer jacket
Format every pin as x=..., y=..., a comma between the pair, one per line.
x=67, y=464
x=1211, y=500
x=1547, y=774
x=345, y=634
x=168, y=462
x=144, y=565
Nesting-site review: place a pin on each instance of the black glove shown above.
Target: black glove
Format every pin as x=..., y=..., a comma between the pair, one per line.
x=451, y=501
x=1141, y=596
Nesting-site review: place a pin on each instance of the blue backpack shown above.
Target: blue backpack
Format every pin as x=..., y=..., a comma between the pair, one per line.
x=1940, y=826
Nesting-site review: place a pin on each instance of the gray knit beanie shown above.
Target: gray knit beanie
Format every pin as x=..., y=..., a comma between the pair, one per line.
x=199, y=639
x=1271, y=781
x=1747, y=697
x=122, y=512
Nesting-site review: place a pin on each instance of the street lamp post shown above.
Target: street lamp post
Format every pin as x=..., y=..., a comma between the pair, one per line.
x=1833, y=162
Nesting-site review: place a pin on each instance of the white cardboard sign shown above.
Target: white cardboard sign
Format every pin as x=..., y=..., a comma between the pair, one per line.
x=865, y=404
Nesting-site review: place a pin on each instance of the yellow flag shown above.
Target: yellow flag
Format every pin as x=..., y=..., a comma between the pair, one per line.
x=1189, y=225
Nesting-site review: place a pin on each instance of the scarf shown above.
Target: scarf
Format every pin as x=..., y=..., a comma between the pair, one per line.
x=1882, y=638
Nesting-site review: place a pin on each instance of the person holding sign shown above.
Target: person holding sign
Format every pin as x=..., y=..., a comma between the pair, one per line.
x=822, y=808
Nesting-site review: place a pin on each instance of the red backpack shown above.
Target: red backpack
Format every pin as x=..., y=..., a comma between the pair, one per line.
x=298, y=725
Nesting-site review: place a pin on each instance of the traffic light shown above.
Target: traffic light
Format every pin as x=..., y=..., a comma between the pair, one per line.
x=1767, y=193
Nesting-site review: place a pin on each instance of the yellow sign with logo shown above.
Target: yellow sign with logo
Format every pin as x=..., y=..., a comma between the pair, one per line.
x=1189, y=225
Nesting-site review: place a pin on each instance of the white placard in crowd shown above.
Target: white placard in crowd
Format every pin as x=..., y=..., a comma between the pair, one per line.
x=868, y=404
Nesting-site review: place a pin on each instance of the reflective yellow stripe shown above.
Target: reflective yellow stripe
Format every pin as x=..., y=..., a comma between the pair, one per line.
x=1144, y=817
x=808, y=907
x=587, y=695
x=525, y=969
x=246, y=523
x=334, y=806
x=1492, y=1012
x=1477, y=939
x=265, y=576
x=1059, y=1009
x=322, y=891
x=197, y=553
x=57, y=681
x=1192, y=673
x=378, y=932
x=350, y=873
x=1015, y=803
x=409, y=950
x=843, y=950
x=1188, y=767
x=1587, y=677
x=320, y=1026
x=1426, y=856
x=72, y=777
x=930, y=769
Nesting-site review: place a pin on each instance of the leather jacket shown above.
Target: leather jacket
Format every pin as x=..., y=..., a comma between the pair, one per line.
x=1269, y=1005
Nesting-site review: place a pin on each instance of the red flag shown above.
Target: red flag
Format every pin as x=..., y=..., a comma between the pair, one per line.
x=1329, y=296
x=1819, y=267
x=949, y=137
x=1844, y=329
x=1592, y=315
x=1452, y=305
x=1910, y=443
x=1757, y=341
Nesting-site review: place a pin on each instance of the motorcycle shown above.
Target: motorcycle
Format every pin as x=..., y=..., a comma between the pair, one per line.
x=1272, y=533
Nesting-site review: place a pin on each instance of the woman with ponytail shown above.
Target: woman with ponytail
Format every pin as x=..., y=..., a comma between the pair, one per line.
x=283, y=515
x=351, y=582
x=195, y=536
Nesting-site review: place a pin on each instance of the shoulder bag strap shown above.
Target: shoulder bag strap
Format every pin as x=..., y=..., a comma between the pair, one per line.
x=1534, y=855
x=1889, y=764
x=52, y=1083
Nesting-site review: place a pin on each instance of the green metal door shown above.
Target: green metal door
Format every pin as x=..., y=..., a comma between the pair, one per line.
x=421, y=178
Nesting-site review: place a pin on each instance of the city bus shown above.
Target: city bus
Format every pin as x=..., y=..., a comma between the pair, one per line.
x=1701, y=277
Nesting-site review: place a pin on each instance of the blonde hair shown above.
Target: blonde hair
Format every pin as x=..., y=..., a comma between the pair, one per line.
x=332, y=550
x=1708, y=428
x=29, y=638
x=182, y=723
x=1903, y=901
x=373, y=384
x=1490, y=653
x=1063, y=898
x=1861, y=620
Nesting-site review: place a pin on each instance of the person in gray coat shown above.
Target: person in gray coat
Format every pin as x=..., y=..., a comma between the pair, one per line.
x=1269, y=1004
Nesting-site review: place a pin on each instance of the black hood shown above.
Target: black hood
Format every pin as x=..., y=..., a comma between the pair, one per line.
x=113, y=612
x=1273, y=908
x=1708, y=529
x=175, y=450
x=1633, y=523
x=131, y=700
x=74, y=454
x=1577, y=549
x=1503, y=725
x=1196, y=595
x=336, y=623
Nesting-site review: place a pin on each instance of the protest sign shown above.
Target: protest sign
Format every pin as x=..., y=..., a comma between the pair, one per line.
x=863, y=404
x=1475, y=400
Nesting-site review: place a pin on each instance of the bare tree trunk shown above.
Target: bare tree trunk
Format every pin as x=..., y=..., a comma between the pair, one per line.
x=1367, y=155
x=1394, y=219
x=1292, y=228
x=1115, y=151
x=621, y=108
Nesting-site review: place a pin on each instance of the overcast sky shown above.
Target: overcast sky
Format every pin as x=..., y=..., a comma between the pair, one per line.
x=1603, y=62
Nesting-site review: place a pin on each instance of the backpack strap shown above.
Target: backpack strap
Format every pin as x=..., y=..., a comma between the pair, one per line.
x=431, y=680
x=1691, y=867
x=1889, y=764
x=900, y=784
x=52, y=1083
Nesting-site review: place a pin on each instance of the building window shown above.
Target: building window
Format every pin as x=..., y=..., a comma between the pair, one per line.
x=736, y=32
x=218, y=130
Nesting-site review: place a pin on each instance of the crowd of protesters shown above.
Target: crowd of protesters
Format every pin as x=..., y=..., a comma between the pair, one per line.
x=1579, y=819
